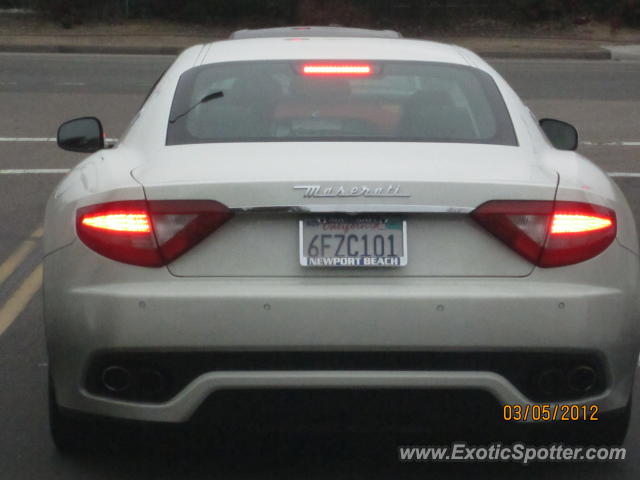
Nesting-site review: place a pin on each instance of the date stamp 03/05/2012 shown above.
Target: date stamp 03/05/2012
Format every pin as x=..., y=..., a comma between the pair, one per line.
x=549, y=412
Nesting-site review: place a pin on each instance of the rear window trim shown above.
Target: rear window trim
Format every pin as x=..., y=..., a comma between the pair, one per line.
x=190, y=75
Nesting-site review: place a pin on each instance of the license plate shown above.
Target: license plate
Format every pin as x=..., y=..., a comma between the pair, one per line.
x=353, y=241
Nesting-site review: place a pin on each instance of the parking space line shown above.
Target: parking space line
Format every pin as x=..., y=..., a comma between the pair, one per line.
x=26, y=139
x=20, y=299
x=17, y=257
x=38, y=139
x=28, y=171
x=625, y=174
x=611, y=144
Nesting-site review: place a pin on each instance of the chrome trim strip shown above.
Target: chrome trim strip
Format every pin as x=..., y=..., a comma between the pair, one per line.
x=353, y=208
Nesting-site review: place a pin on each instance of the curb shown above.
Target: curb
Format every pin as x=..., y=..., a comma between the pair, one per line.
x=624, y=53
x=174, y=50
x=91, y=49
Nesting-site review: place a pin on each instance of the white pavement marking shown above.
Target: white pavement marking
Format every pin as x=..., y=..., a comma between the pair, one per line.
x=29, y=171
x=612, y=144
x=39, y=139
x=625, y=174
x=72, y=84
x=26, y=139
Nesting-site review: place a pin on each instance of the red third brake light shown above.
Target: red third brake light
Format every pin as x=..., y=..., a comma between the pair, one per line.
x=324, y=69
x=550, y=234
x=149, y=234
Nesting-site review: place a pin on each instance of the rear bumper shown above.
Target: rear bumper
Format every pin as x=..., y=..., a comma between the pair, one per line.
x=156, y=312
x=182, y=407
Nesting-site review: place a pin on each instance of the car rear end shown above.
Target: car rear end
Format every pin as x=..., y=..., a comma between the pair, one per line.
x=322, y=234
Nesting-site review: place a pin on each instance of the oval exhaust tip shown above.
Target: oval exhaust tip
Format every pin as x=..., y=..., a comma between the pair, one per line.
x=582, y=379
x=116, y=379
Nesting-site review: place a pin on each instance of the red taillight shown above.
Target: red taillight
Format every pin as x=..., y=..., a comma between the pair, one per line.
x=149, y=234
x=550, y=234
x=578, y=223
x=130, y=222
x=337, y=69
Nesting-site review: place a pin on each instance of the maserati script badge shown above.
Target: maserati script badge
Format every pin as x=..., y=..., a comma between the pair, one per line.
x=335, y=191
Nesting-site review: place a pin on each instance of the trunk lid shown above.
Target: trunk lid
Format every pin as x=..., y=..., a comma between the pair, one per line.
x=272, y=186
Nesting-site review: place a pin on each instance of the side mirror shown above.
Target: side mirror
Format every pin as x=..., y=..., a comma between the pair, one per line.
x=562, y=135
x=83, y=135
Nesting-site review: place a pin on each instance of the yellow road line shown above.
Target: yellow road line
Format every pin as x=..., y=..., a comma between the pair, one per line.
x=20, y=299
x=17, y=257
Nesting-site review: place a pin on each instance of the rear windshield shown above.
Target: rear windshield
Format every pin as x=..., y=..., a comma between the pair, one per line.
x=280, y=101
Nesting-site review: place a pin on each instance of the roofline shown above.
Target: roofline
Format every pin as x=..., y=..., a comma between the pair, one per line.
x=313, y=31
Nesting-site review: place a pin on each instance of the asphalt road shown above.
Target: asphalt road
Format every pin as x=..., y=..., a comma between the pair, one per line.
x=38, y=92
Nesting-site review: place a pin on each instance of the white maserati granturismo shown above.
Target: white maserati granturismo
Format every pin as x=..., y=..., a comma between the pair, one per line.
x=342, y=216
